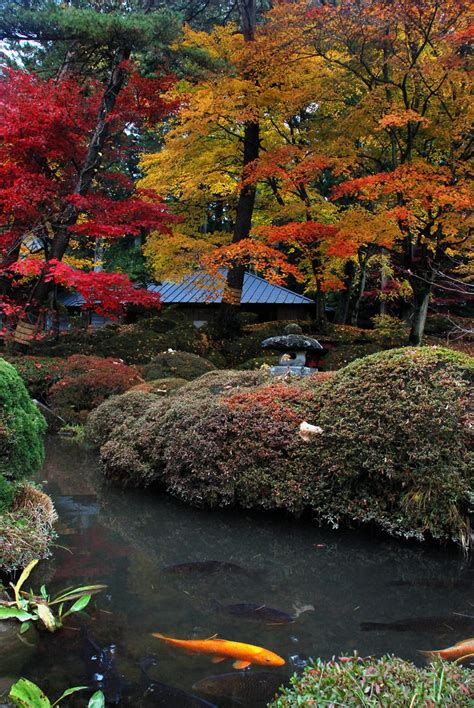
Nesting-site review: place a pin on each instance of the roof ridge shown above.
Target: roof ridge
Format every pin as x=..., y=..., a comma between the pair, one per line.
x=280, y=287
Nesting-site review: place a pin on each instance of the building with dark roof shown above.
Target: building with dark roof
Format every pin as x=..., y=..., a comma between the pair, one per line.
x=199, y=295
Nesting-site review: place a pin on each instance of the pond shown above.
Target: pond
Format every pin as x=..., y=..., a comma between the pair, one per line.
x=339, y=585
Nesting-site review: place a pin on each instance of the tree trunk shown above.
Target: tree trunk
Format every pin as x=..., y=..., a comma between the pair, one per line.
x=343, y=307
x=320, y=318
x=421, y=300
x=383, y=282
x=363, y=260
x=246, y=202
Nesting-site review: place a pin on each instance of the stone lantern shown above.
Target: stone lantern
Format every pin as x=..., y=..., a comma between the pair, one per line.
x=296, y=348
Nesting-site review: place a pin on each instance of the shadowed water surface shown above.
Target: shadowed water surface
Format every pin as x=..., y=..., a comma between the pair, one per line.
x=128, y=539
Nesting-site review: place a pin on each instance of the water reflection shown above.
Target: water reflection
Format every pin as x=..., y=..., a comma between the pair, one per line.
x=127, y=539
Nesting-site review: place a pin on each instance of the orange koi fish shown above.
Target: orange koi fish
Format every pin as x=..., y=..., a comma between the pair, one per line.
x=221, y=649
x=457, y=651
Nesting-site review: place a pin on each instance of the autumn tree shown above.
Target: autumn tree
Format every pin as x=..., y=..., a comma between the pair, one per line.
x=64, y=137
x=200, y=165
x=404, y=139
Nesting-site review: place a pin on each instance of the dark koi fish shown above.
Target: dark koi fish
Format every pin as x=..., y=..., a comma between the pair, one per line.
x=250, y=689
x=209, y=566
x=454, y=622
x=162, y=694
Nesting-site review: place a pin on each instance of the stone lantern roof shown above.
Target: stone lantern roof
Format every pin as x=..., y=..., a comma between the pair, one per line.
x=294, y=345
x=291, y=342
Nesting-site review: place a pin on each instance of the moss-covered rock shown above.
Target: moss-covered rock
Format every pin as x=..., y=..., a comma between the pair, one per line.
x=378, y=683
x=21, y=432
x=176, y=364
x=393, y=452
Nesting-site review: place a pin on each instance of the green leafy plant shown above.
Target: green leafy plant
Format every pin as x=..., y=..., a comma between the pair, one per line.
x=29, y=607
x=27, y=694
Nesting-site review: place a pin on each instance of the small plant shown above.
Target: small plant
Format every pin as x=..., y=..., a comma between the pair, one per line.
x=378, y=683
x=27, y=694
x=28, y=607
x=389, y=330
x=76, y=432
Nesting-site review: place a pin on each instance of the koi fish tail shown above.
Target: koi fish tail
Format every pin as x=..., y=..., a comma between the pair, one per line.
x=159, y=636
x=430, y=655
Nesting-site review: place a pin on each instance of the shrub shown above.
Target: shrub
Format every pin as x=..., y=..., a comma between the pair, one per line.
x=7, y=494
x=114, y=412
x=385, y=682
x=235, y=450
x=133, y=453
x=343, y=354
x=21, y=430
x=175, y=364
x=394, y=448
x=222, y=383
x=87, y=381
x=38, y=373
x=160, y=386
x=390, y=331
x=134, y=343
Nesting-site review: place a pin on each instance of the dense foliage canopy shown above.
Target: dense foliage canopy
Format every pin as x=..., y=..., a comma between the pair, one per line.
x=328, y=144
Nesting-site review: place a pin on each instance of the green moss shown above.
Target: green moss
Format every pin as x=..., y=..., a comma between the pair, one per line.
x=21, y=427
x=7, y=494
x=379, y=683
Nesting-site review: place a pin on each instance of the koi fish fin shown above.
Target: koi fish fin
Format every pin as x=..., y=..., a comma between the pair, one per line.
x=300, y=608
x=463, y=657
x=241, y=664
x=218, y=659
x=159, y=636
x=213, y=636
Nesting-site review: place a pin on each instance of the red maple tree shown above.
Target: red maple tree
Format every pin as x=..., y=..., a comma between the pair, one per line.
x=61, y=178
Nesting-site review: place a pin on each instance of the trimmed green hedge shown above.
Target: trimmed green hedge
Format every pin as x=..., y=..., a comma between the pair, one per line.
x=379, y=683
x=21, y=430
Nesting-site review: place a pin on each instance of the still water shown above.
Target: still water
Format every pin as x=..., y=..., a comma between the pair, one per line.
x=127, y=539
